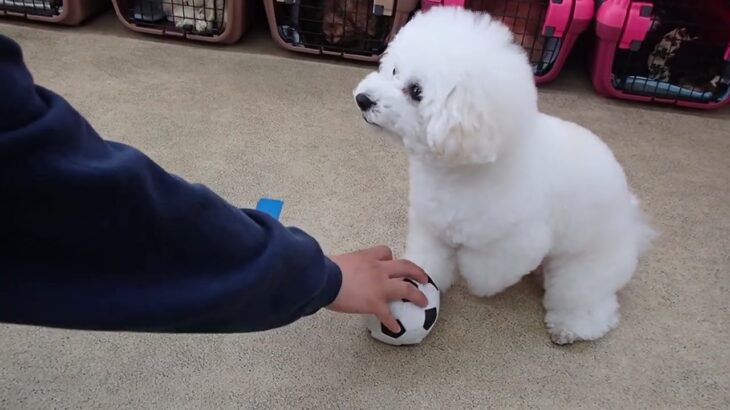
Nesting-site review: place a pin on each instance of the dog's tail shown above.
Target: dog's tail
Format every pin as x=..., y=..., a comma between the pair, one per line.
x=645, y=234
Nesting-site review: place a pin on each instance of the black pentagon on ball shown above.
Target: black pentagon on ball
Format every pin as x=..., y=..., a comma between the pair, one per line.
x=431, y=282
x=387, y=331
x=430, y=318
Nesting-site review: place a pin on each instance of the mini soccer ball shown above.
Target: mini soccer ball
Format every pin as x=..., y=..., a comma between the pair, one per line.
x=415, y=322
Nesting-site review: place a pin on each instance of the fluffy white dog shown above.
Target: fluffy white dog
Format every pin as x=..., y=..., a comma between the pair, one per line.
x=497, y=188
x=195, y=15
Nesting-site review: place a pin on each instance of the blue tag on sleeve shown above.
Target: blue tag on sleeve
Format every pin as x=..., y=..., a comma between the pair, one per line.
x=270, y=206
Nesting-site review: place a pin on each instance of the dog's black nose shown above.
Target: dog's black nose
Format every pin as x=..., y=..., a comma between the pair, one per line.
x=364, y=102
x=188, y=27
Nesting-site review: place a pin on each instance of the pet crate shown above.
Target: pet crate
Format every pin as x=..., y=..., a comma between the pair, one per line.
x=214, y=21
x=546, y=29
x=664, y=51
x=67, y=12
x=353, y=29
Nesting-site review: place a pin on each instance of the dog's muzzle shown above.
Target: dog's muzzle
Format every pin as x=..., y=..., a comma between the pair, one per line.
x=364, y=102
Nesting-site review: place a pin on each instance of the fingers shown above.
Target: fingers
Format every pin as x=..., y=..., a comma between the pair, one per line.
x=399, y=289
x=381, y=253
x=386, y=318
x=403, y=268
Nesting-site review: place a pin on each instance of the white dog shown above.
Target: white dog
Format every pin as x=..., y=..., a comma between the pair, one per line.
x=496, y=187
x=195, y=15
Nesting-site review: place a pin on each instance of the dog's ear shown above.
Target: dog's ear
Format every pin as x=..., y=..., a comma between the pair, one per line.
x=459, y=130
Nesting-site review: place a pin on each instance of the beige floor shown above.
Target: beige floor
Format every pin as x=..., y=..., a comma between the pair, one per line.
x=252, y=121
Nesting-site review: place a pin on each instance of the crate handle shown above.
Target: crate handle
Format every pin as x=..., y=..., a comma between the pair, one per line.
x=637, y=25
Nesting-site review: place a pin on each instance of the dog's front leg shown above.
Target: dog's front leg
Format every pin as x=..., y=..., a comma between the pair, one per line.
x=425, y=249
x=492, y=269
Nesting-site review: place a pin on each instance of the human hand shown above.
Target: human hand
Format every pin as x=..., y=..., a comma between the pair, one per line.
x=371, y=279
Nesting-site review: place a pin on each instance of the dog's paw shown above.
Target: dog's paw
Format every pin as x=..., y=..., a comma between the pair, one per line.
x=201, y=26
x=183, y=23
x=560, y=336
x=569, y=326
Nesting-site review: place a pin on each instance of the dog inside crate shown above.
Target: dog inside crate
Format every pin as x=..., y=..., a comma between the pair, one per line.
x=684, y=54
x=38, y=7
x=190, y=16
x=525, y=19
x=342, y=25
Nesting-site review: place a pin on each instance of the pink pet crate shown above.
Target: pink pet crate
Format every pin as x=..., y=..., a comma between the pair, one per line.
x=66, y=12
x=351, y=29
x=212, y=21
x=547, y=29
x=664, y=51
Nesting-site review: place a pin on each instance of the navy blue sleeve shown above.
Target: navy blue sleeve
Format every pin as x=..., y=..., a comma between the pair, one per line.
x=95, y=235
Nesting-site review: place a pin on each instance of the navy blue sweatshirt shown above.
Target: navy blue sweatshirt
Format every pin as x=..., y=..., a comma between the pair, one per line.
x=95, y=235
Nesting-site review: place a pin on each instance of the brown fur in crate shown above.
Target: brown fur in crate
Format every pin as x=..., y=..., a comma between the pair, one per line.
x=344, y=21
x=523, y=17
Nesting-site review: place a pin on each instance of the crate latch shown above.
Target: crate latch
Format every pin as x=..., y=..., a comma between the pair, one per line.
x=383, y=7
x=557, y=18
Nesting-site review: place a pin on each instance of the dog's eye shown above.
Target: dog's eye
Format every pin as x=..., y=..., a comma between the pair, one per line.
x=414, y=91
x=394, y=72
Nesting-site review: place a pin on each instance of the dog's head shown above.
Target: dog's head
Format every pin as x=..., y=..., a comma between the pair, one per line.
x=453, y=86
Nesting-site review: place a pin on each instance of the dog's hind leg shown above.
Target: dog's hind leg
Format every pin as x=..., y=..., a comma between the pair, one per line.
x=580, y=292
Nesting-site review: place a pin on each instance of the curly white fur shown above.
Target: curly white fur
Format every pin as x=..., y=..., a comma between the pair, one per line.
x=197, y=15
x=496, y=187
